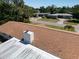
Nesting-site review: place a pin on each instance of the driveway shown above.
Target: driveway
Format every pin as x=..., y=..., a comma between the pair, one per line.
x=76, y=28
x=59, y=23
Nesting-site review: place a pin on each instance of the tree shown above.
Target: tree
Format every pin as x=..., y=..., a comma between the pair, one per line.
x=14, y=10
x=42, y=9
x=18, y=2
x=76, y=11
x=52, y=9
x=48, y=8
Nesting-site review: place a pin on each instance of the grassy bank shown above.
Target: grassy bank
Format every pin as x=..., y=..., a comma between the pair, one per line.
x=61, y=28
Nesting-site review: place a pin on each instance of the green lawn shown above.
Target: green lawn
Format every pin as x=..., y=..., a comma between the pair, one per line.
x=71, y=23
x=48, y=20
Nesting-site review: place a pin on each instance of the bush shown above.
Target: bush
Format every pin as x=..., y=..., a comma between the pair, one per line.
x=69, y=28
x=26, y=21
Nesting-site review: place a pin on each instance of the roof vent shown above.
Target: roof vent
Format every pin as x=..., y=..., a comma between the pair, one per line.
x=28, y=37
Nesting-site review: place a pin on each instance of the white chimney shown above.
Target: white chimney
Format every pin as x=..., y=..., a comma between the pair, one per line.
x=28, y=36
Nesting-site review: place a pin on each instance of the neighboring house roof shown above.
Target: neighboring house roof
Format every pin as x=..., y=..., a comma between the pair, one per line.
x=42, y=13
x=14, y=49
x=60, y=14
x=56, y=14
x=63, y=44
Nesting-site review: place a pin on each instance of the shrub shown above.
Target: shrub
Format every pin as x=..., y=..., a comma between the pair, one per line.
x=69, y=28
x=73, y=21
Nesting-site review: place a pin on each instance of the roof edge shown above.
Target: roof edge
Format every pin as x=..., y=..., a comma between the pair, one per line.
x=55, y=29
x=74, y=33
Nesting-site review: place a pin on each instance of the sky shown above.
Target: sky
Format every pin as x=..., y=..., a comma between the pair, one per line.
x=58, y=3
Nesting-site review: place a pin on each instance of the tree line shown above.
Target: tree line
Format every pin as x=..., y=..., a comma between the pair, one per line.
x=16, y=10
x=74, y=10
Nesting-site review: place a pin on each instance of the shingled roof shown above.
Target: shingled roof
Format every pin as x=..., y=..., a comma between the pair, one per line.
x=63, y=44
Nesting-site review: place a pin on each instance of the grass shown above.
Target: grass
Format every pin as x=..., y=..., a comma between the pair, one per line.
x=71, y=23
x=48, y=20
x=56, y=27
x=61, y=28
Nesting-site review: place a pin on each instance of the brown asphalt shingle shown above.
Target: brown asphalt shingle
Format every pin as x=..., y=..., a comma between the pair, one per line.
x=63, y=44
